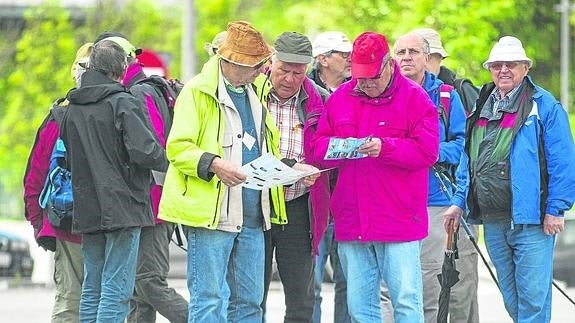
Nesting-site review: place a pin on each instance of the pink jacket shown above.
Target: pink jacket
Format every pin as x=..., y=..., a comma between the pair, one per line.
x=381, y=199
x=34, y=178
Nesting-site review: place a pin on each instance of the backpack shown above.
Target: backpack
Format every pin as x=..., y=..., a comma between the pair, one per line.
x=169, y=88
x=56, y=196
x=468, y=93
x=444, y=107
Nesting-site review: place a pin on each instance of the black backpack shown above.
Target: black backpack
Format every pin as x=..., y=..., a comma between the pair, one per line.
x=468, y=93
x=169, y=88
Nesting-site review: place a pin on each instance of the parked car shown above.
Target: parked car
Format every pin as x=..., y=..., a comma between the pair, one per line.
x=563, y=261
x=15, y=259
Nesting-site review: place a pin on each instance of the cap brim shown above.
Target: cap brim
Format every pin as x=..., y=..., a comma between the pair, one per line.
x=293, y=58
x=361, y=71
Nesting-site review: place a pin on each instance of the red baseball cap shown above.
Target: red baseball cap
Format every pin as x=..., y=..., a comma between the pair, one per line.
x=369, y=50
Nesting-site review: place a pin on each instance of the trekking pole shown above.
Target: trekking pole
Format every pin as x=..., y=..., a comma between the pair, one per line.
x=442, y=178
x=563, y=292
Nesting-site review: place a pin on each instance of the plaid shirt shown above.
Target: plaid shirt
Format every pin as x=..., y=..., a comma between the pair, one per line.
x=291, y=136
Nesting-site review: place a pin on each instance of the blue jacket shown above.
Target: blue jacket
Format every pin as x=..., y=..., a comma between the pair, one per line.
x=525, y=164
x=450, y=146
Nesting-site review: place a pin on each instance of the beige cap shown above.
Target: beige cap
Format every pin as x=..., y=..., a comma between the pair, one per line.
x=434, y=40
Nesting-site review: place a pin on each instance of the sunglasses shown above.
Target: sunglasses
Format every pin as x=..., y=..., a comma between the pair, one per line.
x=498, y=66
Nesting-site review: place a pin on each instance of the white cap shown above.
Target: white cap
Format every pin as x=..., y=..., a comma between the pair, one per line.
x=331, y=40
x=434, y=40
x=507, y=49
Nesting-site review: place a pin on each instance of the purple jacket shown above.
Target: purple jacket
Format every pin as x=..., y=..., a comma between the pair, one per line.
x=34, y=179
x=319, y=192
x=381, y=199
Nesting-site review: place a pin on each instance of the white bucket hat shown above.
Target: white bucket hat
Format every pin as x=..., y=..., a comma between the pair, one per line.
x=331, y=40
x=507, y=49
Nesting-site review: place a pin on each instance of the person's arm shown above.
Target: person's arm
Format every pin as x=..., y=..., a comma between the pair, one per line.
x=459, y=199
x=141, y=144
x=37, y=170
x=560, y=156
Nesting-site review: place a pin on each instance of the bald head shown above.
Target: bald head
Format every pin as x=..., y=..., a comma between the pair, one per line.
x=411, y=52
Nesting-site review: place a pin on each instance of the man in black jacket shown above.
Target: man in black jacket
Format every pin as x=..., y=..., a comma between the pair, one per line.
x=111, y=151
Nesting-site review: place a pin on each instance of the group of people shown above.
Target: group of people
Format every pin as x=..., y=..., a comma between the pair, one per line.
x=381, y=219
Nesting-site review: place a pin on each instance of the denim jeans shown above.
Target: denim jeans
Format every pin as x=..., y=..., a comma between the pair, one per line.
x=225, y=275
x=295, y=261
x=152, y=292
x=328, y=248
x=523, y=258
x=367, y=264
x=109, y=274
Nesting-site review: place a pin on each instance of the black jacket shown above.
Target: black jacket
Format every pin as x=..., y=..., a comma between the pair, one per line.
x=110, y=152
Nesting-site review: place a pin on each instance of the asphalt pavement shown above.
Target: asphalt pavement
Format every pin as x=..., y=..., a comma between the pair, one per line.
x=32, y=302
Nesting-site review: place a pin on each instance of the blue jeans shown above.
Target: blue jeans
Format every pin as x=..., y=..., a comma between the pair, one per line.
x=328, y=248
x=523, y=258
x=225, y=275
x=109, y=274
x=366, y=265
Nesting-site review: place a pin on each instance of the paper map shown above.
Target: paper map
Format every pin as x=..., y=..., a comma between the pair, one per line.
x=345, y=148
x=268, y=171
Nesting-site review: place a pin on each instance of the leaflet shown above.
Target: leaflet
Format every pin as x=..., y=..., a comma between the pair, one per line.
x=345, y=148
x=268, y=171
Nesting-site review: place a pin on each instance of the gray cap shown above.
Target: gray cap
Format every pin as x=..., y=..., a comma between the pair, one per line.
x=292, y=47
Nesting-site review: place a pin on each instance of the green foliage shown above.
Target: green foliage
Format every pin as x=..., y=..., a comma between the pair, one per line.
x=35, y=67
x=40, y=73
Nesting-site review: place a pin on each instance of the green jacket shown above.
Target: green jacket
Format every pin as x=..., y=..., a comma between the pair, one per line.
x=206, y=125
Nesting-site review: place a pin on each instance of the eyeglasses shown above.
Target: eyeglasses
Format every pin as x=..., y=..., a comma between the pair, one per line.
x=498, y=66
x=408, y=51
x=378, y=76
x=260, y=64
x=342, y=54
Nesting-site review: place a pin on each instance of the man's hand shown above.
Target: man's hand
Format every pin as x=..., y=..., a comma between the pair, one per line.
x=372, y=147
x=553, y=224
x=310, y=179
x=229, y=173
x=451, y=218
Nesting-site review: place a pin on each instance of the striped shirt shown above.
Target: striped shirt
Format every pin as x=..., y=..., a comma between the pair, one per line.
x=291, y=136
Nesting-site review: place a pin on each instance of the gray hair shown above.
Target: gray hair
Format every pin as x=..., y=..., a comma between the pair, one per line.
x=109, y=58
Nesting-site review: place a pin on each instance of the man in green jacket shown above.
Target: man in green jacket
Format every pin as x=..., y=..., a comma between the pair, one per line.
x=220, y=125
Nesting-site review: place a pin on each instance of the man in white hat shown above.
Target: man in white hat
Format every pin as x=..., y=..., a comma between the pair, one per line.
x=220, y=125
x=522, y=179
x=332, y=60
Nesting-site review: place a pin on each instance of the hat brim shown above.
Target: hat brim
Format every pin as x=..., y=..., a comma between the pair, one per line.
x=293, y=58
x=244, y=59
x=507, y=59
x=362, y=71
x=439, y=51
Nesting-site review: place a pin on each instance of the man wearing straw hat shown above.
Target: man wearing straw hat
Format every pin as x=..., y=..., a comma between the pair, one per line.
x=219, y=125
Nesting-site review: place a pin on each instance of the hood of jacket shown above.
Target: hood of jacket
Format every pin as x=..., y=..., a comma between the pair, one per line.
x=95, y=87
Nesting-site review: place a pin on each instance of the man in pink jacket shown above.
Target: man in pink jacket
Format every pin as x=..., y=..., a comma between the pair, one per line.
x=379, y=201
